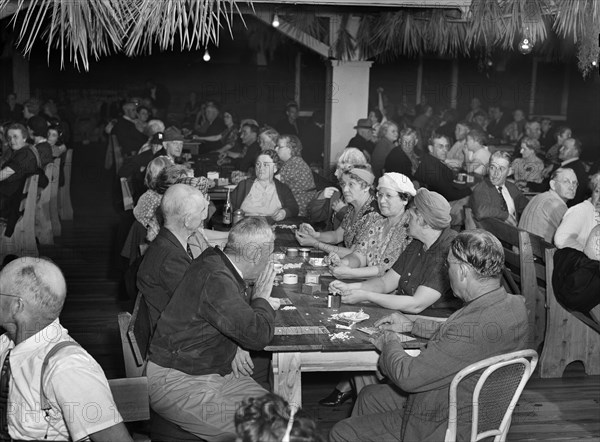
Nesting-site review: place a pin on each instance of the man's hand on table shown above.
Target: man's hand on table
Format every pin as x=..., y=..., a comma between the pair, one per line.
x=264, y=285
x=380, y=340
x=395, y=322
x=242, y=363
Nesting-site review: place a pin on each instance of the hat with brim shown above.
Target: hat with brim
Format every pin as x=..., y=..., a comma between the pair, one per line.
x=364, y=123
x=173, y=134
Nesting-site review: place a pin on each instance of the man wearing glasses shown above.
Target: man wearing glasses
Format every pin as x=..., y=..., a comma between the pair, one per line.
x=32, y=294
x=491, y=323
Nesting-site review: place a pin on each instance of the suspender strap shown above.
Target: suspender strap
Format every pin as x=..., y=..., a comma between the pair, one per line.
x=45, y=404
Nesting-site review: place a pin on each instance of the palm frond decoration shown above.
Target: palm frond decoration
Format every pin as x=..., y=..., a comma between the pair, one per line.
x=344, y=47
x=81, y=29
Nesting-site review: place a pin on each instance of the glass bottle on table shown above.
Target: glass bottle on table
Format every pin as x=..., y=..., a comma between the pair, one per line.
x=227, y=210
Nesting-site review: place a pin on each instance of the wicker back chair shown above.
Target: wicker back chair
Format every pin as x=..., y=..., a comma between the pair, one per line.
x=501, y=381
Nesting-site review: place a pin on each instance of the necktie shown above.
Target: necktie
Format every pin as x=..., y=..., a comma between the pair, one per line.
x=504, y=206
x=4, y=378
x=189, y=251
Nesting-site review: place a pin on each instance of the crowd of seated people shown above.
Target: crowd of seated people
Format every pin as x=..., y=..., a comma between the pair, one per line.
x=32, y=135
x=390, y=219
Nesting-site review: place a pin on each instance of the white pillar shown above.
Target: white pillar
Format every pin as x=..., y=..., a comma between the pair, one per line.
x=347, y=100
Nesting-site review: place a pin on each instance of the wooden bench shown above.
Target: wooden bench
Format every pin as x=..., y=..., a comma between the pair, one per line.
x=22, y=241
x=64, y=195
x=523, y=274
x=568, y=337
x=126, y=194
x=43, y=221
x=54, y=190
x=136, y=334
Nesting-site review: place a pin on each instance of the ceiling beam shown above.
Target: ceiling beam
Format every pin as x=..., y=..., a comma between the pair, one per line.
x=295, y=34
x=381, y=3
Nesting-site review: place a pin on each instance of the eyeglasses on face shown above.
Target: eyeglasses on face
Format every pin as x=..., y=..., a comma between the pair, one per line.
x=259, y=164
x=11, y=296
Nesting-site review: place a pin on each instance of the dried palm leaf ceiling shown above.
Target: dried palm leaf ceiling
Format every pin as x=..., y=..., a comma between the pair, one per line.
x=364, y=29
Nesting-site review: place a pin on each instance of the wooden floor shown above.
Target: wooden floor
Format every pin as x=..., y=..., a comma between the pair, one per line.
x=550, y=409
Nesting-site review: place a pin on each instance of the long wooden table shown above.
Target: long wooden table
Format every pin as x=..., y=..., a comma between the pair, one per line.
x=305, y=334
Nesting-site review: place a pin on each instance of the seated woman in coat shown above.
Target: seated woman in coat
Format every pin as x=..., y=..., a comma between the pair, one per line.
x=264, y=195
x=22, y=162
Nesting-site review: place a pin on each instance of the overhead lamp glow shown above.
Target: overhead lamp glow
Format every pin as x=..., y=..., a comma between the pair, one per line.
x=275, y=21
x=206, y=56
x=525, y=46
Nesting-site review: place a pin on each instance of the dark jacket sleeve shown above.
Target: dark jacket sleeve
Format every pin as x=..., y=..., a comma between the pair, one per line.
x=287, y=199
x=238, y=195
x=250, y=326
x=485, y=205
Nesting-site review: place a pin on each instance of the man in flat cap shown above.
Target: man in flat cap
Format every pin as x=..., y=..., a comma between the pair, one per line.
x=418, y=278
x=363, y=140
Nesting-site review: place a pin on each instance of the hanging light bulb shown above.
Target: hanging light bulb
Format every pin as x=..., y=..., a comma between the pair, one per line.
x=525, y=45
x=275, y=21
x=206, y=56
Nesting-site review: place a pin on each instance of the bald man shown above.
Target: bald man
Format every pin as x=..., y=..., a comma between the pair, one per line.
x=32, y=294
x=184, y=208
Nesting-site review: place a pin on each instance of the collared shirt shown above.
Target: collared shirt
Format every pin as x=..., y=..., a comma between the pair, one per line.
x=510, y=203
x=569, y=161
x=74, y=383
x=543, y=215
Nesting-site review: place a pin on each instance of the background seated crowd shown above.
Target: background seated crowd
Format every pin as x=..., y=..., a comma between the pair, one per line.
x=392, y=215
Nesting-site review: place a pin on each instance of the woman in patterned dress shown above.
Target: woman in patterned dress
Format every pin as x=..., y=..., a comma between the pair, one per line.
x=295, y=172
x=378, y=247
x=529, y=168
x=356, y=184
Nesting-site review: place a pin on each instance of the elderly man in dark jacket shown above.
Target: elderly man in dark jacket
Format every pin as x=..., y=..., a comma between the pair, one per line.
x=212, y=312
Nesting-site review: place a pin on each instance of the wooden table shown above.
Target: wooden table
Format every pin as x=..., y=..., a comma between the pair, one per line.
x=303, y=341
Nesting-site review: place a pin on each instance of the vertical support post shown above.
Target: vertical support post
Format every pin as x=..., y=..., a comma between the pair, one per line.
x=297, y=80
x=347, y=100
x=564, y=102
x=20, y=68
x=534, y=67
x=419, y=80
x=454, y=85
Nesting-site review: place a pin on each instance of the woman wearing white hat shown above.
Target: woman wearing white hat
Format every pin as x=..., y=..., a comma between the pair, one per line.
x=378, y=247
